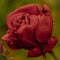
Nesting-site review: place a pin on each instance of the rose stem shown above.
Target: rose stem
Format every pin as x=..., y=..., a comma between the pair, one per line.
x=44, y=56
x=53, y=54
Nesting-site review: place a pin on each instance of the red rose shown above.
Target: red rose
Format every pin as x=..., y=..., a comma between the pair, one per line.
x=30, y=27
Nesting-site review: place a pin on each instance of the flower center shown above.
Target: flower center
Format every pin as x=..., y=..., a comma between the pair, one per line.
x=19, y=20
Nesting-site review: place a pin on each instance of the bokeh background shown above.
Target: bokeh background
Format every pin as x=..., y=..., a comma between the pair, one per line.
x=7, y=6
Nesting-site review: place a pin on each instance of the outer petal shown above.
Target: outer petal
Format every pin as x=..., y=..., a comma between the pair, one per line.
x=27, y=36
x=34, y=52
x=44, y=28
x=12, y=40
x=50, y=44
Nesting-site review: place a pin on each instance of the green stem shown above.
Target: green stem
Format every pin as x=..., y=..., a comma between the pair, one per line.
x=53, y=54
x=44, y=56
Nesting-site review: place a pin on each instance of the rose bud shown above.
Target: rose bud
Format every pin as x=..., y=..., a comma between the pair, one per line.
x=30, y=27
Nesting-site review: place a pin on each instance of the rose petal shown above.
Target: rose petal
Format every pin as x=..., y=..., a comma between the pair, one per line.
x=7, y=35
x=14, y=44
x=31, y=22
x=34, y=52
x=34, y=21
x=50, y=44
x=27, y=35
x=15, y=21
x=12, y=40
x=44, y=28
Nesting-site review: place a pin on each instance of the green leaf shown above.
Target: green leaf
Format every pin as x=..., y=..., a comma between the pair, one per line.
x=2, y=57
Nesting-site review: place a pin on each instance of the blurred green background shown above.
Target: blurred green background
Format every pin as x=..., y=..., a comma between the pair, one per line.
x=7, y=6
